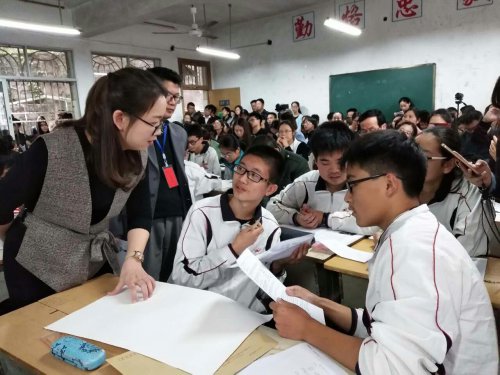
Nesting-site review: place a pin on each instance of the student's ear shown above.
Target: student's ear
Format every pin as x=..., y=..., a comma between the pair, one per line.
x=383, y=126
x=394, y=184
x=271, y=189
x=449, y=165
x=120, y=119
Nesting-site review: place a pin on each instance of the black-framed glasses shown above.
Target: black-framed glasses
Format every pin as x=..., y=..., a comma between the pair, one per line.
x=252, y=176
x=192, y=142
x=155, y=126
x=171, y=96
x=350, y=184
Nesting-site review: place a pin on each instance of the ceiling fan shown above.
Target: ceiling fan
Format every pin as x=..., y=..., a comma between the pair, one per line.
x=195, y=30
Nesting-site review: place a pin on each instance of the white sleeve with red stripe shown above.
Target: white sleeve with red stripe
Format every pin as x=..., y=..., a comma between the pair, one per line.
x=195, y=265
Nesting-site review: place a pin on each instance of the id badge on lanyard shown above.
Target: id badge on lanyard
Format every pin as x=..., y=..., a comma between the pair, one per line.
x=168, y=170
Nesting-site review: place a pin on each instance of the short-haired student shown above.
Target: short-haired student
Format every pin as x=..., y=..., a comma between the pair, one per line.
x=427, y=309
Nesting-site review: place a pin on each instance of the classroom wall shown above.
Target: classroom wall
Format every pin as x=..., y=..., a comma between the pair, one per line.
x=463, y=44
x=134, y=40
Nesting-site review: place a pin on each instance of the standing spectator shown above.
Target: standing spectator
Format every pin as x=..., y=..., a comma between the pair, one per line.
x=297, y=113
x=208, y=114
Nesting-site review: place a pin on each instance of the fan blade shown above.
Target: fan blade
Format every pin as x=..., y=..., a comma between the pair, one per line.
x=170, y=32
x=209, y=24
x=159, y=25
x=208, y=36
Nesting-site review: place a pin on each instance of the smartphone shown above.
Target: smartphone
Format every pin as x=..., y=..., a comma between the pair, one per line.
x=460, y=158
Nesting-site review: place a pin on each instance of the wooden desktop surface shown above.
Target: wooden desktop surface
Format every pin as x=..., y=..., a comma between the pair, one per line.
x=358, y=269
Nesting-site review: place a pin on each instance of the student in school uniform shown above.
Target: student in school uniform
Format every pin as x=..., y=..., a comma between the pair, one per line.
x=427, y=309
x=458, y=205
x=316, y=198
x=200, y=151
x=218, y=229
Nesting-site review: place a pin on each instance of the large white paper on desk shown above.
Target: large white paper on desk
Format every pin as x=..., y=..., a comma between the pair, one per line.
x=341, y=249
x=284, y=249
x=190, y=329
x=342, y=237
x=300, y=359
x=266, y=281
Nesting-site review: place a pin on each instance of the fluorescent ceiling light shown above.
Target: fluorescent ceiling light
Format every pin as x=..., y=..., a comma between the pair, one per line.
x=38, y=27
x=342, y=27
x=218, y=53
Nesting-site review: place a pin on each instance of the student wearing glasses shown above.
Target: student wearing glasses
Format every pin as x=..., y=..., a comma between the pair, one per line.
x=200, y=151
x=426, y=308
x=71, y=182
x=218, y=229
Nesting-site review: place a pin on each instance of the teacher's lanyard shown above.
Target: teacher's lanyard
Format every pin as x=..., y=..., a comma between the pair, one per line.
x=162, y=146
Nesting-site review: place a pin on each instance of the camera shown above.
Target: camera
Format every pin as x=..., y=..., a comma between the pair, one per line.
x=281, y=107
x=459, y=98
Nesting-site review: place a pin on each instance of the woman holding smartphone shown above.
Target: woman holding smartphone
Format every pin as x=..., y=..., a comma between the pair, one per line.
x=71, y=182
x=457, y=204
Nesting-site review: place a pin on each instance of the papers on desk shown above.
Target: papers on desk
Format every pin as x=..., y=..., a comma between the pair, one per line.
x=341, y=237
x=266, y=281
x=341, y=249
x=300, y=359
x=284, y=249
x=190, y=329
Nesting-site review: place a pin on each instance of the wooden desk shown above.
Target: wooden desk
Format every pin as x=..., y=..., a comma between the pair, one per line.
x=350, y=267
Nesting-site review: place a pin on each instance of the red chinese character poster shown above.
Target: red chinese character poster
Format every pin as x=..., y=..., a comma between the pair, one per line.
x=303, y=27
x=353, y=13
x=406, y=9
x=466, y=4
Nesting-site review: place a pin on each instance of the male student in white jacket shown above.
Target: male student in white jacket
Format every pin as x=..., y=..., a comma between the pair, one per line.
x=316, y=198
x=427, y=309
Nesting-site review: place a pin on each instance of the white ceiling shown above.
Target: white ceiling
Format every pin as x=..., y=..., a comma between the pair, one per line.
x=95, y=17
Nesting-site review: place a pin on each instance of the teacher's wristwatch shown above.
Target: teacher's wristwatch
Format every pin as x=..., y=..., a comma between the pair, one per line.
x=137, y=255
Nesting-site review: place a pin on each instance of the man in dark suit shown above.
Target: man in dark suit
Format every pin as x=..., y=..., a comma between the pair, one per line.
x=170, y=198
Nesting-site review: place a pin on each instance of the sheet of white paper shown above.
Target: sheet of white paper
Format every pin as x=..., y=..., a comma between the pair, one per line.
x=496, y=205
x=191, y=329
x=341, y=249
x=266, y=281
x=342, y=237
x=284, y=249
x=301, y=359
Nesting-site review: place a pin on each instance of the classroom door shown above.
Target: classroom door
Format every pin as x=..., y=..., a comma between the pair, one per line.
x=224, y=98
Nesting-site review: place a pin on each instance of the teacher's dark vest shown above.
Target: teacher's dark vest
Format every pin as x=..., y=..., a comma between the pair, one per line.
x=60, y=246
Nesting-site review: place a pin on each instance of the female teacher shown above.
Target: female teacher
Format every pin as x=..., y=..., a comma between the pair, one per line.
x=71, y=182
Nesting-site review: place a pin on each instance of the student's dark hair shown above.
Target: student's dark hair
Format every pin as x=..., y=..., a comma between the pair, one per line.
x=315, y=116
x=390, y=151
x=271, y=157
x=240, y=107
x=273, y=113
x=329, y=116
x=469, y=117
x=467, y=108
x=166, y=74
x=257, y=115
x=424, y=116
x=212, y=108
x=253, y=101
x=312, y=120
x=229, y=141
x=260, y=100
x=415, y=110
x=451, y=109
x=195, y=130
x=227, y=109
x=190, y=104
x=406, y=100
x=298, y=105
x=413, y=127
x=330, y=137
x=495, y=95
x=288, y=116
x=451, y=138
x=291, y=124
x=373, y=113
x=266, y=141
x=444, y=114
x=39, y=123
x=355, y=110
x=133, y=91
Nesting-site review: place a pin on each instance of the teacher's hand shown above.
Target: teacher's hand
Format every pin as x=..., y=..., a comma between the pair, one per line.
x=134, y=278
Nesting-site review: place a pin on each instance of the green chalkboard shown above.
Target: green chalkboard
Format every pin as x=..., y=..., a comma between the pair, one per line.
x=382, y=89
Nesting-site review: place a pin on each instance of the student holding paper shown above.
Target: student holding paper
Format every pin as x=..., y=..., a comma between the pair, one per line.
x=427, y=309
x=316, y=198
x=218, y=229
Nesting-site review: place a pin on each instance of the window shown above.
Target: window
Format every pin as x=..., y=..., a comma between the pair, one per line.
x=103, y=63
x=40, y=82
x=196, y=82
